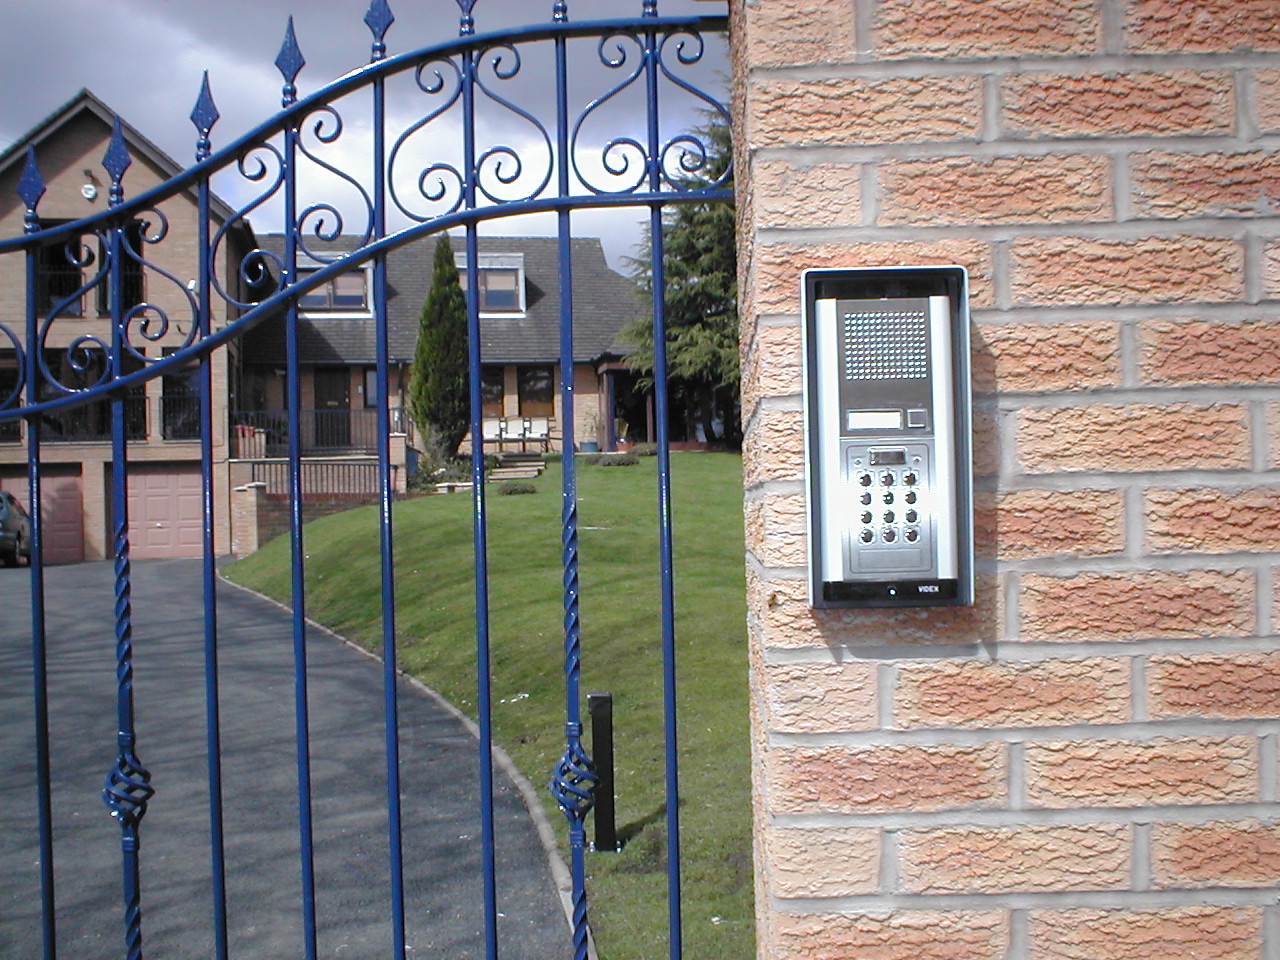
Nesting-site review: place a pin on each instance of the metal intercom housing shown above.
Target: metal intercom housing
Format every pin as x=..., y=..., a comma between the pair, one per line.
x=888, y=428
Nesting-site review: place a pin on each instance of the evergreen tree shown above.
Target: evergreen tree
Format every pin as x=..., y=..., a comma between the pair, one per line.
x=700, y=264
x=439, y=383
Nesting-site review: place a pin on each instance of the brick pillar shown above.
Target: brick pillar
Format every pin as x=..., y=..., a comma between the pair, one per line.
x=1083, y=765
x=247, y=504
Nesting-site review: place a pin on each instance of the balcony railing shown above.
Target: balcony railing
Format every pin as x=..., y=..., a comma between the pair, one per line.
x=258, y=434
x=93, y=422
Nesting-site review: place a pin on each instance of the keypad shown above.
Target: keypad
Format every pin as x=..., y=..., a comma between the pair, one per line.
x=890, y=525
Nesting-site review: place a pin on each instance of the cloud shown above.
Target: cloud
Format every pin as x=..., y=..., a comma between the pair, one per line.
x=145, y=59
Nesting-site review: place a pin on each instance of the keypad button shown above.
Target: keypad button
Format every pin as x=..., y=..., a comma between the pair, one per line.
x=866, y=516
x=910, y=479
x=865, y=498
x=889, y=535
x=911, y=496
x=912, y=535
x=888, y=497
x=911, y=516
x=888, y=516
x=865, y=479
x=886, y=479
x=867, y=536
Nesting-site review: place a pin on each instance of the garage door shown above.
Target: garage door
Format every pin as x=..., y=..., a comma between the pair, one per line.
x=61, y=508
x=165, y=510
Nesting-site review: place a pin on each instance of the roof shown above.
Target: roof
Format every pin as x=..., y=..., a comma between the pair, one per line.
x=87, y=101
x=604, y=302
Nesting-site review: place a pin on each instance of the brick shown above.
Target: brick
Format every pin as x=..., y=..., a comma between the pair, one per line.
x=1020, y=524
x=986, y=440
x=1014, y=859
x=1209, y=351
x=840, y=110
x=1174, y=185
x=820, y=697
x=1210, y=520
x=825, y=194
x=1035, y=358
x=1060, y=271
x=776, y=530
x=973, y=28
x=1203, y=26
x=832, y=862
x=1139, y=605
x=1133, y=437
x=1199, y=932
x=1271, y=270
x=776, y=277
x=1229, y=686
x=773, y=448
x=885, y=778
x=983, y=694
x=1236, y=853
x=892, y=935
x=1132, y=773
x=781, y=618
x=1115, y=104
x=1023, y=189
x=772, y=368
x=1266, y=99
x=788, y=32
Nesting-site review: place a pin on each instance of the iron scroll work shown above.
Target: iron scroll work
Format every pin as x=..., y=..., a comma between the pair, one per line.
x=441, y=170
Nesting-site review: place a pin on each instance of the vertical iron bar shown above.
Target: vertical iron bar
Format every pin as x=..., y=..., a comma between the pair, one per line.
x=664, y=500
x=302, y=722
x=484, y=707
x=213, y=721
x=128, y=784
x=39, y=657
x=574, y=771
x=391, y=708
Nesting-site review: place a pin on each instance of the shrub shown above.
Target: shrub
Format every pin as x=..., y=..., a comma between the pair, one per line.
x=619, y=460
x=644, y=450
x=512, y=487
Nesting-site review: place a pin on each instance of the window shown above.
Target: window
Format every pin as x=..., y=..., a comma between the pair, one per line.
x=371, y=387
x=58, y=275
x=180, y=402
x=501, y=282
x=537, y=391
x=10, y=430
x=130, y=272
x=491, y=390
x=91, y=421
x=345, y=292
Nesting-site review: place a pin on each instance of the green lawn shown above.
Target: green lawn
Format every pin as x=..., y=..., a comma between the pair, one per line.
x=621, y=654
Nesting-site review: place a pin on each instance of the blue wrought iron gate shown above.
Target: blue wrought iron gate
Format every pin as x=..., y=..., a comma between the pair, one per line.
x=445, y=169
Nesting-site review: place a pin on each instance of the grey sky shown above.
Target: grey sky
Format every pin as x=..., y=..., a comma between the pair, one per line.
x=145, y=58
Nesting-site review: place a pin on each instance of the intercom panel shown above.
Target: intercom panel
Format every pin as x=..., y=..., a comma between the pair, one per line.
x=887, y=437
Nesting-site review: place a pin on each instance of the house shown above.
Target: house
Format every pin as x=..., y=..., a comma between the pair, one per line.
x=520, y=350
x=165, y=499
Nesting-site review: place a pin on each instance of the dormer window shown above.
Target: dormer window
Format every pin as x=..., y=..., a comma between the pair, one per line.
x=501, y=281
x=344, y=293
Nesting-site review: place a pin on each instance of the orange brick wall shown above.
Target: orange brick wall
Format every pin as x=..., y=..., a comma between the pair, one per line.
x=1082, y=766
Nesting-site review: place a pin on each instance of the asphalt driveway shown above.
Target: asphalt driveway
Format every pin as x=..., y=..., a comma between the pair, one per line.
x=439, y=788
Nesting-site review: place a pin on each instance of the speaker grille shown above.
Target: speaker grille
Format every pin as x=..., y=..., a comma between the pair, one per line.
x=886, y=345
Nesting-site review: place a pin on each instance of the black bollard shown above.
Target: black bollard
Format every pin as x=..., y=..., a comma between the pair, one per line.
x=600, y=706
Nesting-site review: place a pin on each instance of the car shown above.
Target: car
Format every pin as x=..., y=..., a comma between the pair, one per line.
x=15, y=531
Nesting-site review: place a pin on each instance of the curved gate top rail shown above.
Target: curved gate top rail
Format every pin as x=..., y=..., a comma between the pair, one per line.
x=475, y=148
x=419, y=182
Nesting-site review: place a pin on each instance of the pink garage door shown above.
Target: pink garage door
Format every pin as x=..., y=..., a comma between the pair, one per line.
x=61, y=508
x=165, y=510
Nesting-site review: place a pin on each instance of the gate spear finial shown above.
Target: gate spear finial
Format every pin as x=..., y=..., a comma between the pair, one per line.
x=204, y=115
x=30, y=189
x=289, y=61
x=379, y=19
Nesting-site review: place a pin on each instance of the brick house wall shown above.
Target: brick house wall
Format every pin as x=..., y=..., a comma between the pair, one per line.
x=1084, y=764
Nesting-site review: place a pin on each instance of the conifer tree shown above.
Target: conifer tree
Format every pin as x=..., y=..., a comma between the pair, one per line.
x=439, y=382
